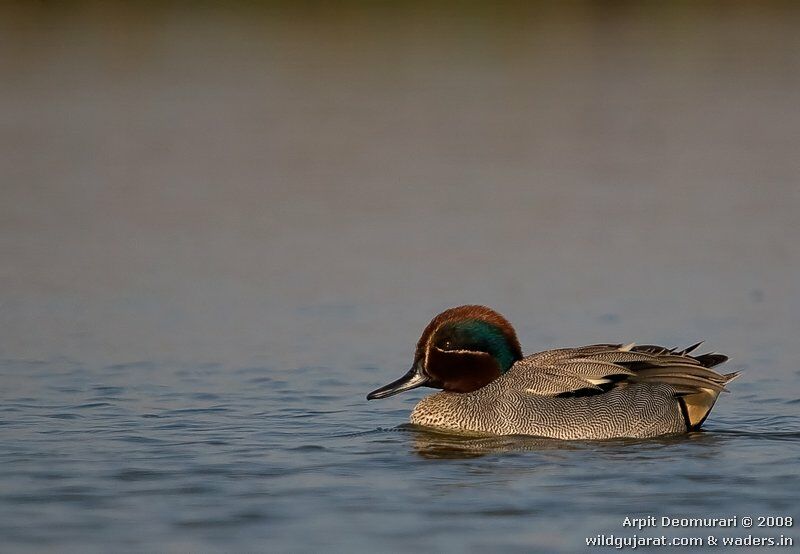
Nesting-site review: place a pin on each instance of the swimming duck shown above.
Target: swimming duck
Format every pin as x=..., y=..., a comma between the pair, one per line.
x=600, y=391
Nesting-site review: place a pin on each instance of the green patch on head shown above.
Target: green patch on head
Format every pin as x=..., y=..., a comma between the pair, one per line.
x=480, y=336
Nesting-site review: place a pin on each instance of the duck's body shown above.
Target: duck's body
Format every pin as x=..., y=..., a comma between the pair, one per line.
x=562, y=394
x=593, y=392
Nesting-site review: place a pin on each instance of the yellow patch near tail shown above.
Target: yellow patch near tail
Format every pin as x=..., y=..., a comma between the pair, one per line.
x=697, y=406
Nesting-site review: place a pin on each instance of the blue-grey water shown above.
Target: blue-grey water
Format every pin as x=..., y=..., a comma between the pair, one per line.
x=220, y=227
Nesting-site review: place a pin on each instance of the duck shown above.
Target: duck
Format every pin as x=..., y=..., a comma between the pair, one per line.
x=594, y=392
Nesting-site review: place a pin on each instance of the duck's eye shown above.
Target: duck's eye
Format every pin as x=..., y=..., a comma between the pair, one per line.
x=446, y=345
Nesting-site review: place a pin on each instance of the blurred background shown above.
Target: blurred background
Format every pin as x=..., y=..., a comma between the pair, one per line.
x=208, y=182
x=254, y=208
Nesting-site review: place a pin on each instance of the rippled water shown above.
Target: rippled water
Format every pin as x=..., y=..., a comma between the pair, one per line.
x=220, y=228
x=147, y=457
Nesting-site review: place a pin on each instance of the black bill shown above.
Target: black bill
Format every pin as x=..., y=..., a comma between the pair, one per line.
x=411, y=380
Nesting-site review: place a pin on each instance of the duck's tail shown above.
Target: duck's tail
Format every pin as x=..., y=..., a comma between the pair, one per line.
x=697, y=385
x=697, y=406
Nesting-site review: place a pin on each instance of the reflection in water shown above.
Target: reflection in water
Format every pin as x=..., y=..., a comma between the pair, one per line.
x=429, y=443
x=434, y=444
x=438, y=445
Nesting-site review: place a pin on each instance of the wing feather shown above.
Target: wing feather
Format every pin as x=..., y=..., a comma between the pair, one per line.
x=598, y=367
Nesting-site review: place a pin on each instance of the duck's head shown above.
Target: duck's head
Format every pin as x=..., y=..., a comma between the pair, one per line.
x=461, y=350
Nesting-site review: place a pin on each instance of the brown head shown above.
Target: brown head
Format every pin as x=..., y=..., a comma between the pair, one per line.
x=461, y=350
